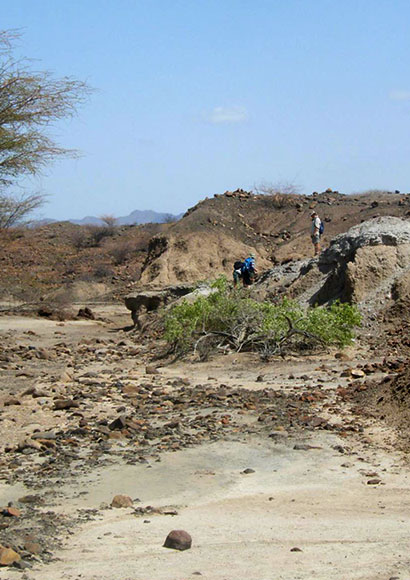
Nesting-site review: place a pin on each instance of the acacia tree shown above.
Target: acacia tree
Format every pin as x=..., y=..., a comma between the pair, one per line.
x=30, y=102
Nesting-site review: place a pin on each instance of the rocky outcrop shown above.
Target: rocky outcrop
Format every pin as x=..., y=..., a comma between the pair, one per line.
x=375, y=268
x=365, y=261
x=382, y=231
x=142, y=302
x=368, y=263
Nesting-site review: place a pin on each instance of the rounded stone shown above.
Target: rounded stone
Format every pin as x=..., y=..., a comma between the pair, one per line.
x=121, y=501
x=178, y=540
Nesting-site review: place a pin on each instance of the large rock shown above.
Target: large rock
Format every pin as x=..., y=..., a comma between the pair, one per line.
x=364, y=263
x=154, y=299
x=382, y=231
x=178, y=540
x=8, y=557
x=121, y=501
x=375, y=269
x=151, y=300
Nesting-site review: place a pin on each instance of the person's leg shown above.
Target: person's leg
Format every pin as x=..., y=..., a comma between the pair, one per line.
x=316, y=244
x=246, y=279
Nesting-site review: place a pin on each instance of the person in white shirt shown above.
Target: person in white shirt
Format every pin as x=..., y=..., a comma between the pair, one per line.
x=315, y=232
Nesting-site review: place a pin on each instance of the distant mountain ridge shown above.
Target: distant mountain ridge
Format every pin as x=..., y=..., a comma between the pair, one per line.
x=136, y=217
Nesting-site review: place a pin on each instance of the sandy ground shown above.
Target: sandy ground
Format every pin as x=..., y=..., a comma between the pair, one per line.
x=244, y=526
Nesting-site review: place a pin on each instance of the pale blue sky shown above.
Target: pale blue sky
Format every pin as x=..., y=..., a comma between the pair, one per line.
x=196, y=97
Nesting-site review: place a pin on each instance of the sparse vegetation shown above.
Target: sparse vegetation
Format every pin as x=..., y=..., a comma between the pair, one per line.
x=109, y=220
x=102, y=271
x=280, y=195
x=230, y=318
x=279, y=187
x=79, y=237
x=14, y=209
x=121, y=251
x=91, y=236
x=98, y=233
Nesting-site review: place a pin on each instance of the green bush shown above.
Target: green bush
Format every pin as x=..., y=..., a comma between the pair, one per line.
x=230, y=317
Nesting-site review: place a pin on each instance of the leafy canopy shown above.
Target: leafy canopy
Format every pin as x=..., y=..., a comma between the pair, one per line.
x=234, y=318
x=30, y=102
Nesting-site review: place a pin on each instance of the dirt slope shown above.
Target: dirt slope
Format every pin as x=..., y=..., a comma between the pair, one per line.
x=37, y=262
x=218, y=231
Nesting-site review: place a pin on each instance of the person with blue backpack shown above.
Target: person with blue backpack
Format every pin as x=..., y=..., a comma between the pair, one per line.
x=248, y=271
x=316, y=231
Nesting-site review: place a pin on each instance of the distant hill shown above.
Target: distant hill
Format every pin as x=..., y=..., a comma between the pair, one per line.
x=135, y=217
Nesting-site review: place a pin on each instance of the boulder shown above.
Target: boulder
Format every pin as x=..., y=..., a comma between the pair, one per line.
x=178, y=540
x=150, y=300
x=121, y=501
x=8, y=557
x=11, y=512
x=86, y=313
x=61, y=404
x=368, y=265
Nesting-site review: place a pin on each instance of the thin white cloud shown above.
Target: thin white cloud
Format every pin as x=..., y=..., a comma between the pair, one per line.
x=400, y=95
x=220, y=115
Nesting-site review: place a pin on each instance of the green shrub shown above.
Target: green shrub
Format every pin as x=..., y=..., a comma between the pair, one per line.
x=230, y=317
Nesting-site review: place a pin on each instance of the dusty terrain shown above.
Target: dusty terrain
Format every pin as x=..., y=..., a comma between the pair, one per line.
x=274, y=469
x=293, y=469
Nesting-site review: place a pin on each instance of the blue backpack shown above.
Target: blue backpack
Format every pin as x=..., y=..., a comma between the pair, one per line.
x=248, y=265
x=321, y=227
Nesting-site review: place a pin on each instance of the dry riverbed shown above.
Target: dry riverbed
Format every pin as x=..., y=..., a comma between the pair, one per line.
x=265, y=466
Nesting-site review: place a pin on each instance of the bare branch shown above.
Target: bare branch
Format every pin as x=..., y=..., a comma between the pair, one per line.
x=278, y=187
x=14, y=210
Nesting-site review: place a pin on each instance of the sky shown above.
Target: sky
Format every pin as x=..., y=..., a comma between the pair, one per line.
x=195, y=97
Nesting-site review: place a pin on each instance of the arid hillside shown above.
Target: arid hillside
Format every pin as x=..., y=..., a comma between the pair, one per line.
x=218, y=231
x=67, y=262
x=60, y=258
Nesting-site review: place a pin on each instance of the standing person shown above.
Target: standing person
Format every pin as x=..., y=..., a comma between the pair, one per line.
x=248, y=271
x=316, y=232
